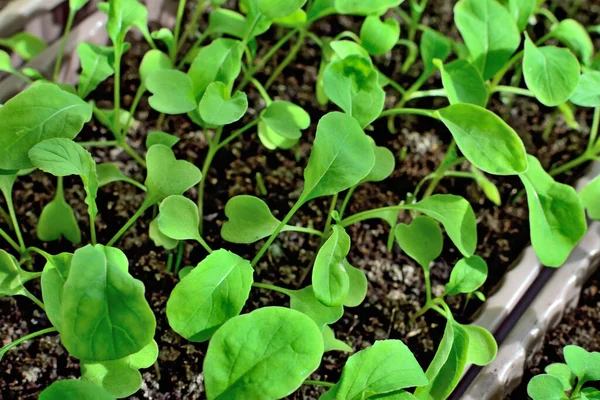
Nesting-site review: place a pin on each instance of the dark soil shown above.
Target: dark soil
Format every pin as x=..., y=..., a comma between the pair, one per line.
x=580, y=327
x=395, y=281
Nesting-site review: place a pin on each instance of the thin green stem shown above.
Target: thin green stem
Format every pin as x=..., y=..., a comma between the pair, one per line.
x=282, y=224
x=238, y=133
x=177, y=30
x=41, y=252
x=301, y=229
x=441, y=170
x=594, y=131
x=63, y=43
x=33, y=298
x=427, y=275
x=318, y=383
x=170, y=262
x=203, y=243
x=262, y=91
x=117, y=91
x=585, y=157
x=268, y=286
x=428, y=93
x=413, y=111
x=577, y=388
x=128, y=224
x=548, y=14
x=460, y=174
x=332, y=208
x=99, y=143
x=6, y=237
x=511, y=89
x=180, y=248
x=200, y=6
x=17, y=342
x=4, y=215
x=21, y=76
x=288, y=59
x=129, y=150
x=369, y=214
x=347, y=200
x=213, y=148
x=136, y=101
x=15, y=222
x=263, y=61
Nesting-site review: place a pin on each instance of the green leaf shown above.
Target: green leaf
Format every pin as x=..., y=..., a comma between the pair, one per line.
x=96, y=66
x=522, y=10
x=482, y=346
x=551, y=73
x=154, y=60
x=277, y=349
x=109, y=173
x=433, y=46
x=104, y=315
x=485, y=139
x=589, y=196
x=58, y=220
x=124, y=15
x=304, y=300
x=347, y=48
x=490, y=33
x=272, y=140
x=249, y=220
x=227, y=22
x=168, y=176
x=26, y=45
x=179, y=219
x=218, y=108
x=107, y=117
x=385, y=162
x=562, y=372
x=448, y=368
x=332, y=344
x=321, y=8
x=295, y=20
x=587, y=92
x=385, y=367
x=463, y=83
x=121, y=378
x=158, y=137
x=43, y=111
x=159, y=238
x=377, y=36
x=358, y=7
x=489, y=188
x=77, y=5
x=54, y=276
x=220, y=61
x=352, y=84
x=341, y=157
x=286, y=119
x=358, y=286
x=422, y=240
x=574, y=35
x=457, y=217
x=585, y=365
x=5, y=62
x=556, y=215
x=590, y=394
x=72, y=389
x=166, y=36
x=546, y=387
x=173, y=92
x=468, y=275
x=278, y=9
x=329, y=277
x=12, y=277
x=63, y=157
x=211, y=294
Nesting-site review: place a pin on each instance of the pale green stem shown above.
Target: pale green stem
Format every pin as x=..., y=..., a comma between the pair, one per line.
x=99, y=143
x=6, y=237
x=511, y=89
x=136, y=101
x=32, y=297
x=428, y=93
x=4, y=215
x=200, y=6
x=369, y=214
x=177, y=30
x=347, y=200
x=262, y=91
x=17, y=342
x=412, y=111
x=63, y=43
x=15, y=223
x=238, y=133
x=288, y=59
x=213, y=148
x=318, y=383
x=203, y=243
x=128, y=224
x=301, y=229
x=268, y=286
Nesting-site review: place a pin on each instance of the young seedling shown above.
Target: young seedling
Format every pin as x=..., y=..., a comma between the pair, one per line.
x=566, y=381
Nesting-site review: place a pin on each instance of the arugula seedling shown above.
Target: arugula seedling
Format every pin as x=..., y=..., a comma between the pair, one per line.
x=374, y=371
x=97, y=65
x=265, y=368
x=330, y=280
x=26, y=45
x=581, y=367
x=179, y=220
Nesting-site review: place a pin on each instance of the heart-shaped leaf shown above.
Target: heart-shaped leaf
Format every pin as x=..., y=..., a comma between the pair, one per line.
x=278, y=9
x=584, y=364
x=166, y=36
x=117, y=321
x=218, y=108
x=43, y=111
x=377, y=36
x=277, y=349
x=172, y=91
x=485, y=139
x=551, y=73
x=58, y=220
x=546, y=387
x=249, y=220
x=456, y=215
x=353, y=84
x=179, y=219
x=490, y=33
x=167, y=176
x=329, y=277
x=376, y=371
x=154, y=60
x=122, y=16
x=286, y=119
x=562, y=372
x=121, y=378
x=422, y=240
x=467, y=276
x=272, y=140
x=556, y=215
x=158, y=137
x=341, y=157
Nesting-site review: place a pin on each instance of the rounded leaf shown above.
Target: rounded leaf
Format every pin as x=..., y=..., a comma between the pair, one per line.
x=422, y=240
x=482, y=346
x=154, y=60
x=589, y=196
x=384, y=164
x=377, y=36
x=546, y=387
x=249, y=220
x=304, y=300
x=587, y=92
x=276, y=350
x=172, y=92
x=485, y=139
x=212, y=293
x=358, y=286
x=179, y=219
x=329, y=277
x=218, y=108
x=463, y=83
x=286, y=119
x=468, y=275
